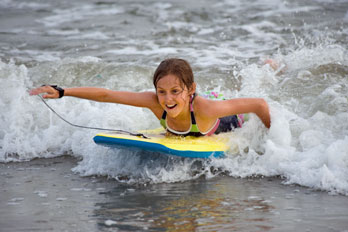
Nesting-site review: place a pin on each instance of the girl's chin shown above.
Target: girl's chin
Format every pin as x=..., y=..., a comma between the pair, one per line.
x=172, y=114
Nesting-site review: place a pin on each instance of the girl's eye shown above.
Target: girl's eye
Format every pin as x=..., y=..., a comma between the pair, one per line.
x=176, y=91
x=173, y=92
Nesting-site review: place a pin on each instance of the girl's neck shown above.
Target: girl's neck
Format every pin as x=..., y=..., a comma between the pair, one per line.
x=182, y=122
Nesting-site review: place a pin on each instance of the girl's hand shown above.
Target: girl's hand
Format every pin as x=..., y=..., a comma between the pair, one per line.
x=50, y=92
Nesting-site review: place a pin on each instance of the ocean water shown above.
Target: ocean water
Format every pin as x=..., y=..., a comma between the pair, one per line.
x=118, y=45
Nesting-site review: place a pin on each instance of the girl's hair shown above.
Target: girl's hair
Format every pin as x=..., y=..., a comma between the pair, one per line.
x=178, y=67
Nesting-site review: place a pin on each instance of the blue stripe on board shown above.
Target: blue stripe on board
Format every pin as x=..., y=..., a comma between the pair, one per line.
x=118, y=142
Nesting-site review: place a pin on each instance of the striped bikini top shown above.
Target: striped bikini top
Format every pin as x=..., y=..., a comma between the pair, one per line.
x=193, y=130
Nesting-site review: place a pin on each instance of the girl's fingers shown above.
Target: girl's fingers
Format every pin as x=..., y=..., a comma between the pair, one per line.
x=38, y=90
x=51, y=92
x=34, y=92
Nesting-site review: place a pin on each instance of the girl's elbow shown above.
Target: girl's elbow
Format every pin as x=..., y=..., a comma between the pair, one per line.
x=264, y=113
x=102, y=96
x=263, y=105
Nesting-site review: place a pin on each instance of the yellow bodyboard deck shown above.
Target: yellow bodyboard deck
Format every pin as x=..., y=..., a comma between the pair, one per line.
x=156, y=141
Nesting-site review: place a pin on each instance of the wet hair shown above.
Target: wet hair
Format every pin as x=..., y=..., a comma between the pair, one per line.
x=178, y=67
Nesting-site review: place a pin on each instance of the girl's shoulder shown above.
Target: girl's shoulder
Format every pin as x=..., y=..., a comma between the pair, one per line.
x=203, y=107
x=153, y=104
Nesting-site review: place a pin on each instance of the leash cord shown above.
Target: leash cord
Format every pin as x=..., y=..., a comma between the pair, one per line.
x=87, y=127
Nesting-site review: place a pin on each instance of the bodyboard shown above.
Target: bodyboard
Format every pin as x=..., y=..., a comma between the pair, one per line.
x=156, y=141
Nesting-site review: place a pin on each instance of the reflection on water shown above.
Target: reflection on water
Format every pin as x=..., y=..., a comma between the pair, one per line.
x=44, y=195
x=211, y=211
x=216, y=205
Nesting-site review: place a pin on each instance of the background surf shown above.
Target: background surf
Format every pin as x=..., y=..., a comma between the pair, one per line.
x=118, y=46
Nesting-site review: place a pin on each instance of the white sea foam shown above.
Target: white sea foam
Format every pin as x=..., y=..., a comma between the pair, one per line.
x=152, y=51
x=40, y=56
x=77, y=13
x=110, y=222
x=23, y=5
x=97, y=35
x=42, y=194
x=64, y=32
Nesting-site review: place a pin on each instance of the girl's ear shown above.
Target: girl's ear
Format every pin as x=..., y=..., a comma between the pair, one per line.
x=192, y=89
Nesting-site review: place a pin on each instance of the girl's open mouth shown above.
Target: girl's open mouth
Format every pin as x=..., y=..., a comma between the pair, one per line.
x=171, y=106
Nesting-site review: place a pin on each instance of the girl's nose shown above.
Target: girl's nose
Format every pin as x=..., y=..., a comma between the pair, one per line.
x=168, y=97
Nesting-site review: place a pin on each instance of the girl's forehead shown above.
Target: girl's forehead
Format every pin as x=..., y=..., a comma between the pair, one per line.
x=169, y=81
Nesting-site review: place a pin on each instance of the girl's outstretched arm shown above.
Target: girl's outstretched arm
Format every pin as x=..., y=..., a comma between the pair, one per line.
x=225, y=108
x=257, y=106
x=139, y=99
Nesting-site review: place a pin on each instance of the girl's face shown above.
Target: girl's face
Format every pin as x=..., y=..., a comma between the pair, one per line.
x=173, y=96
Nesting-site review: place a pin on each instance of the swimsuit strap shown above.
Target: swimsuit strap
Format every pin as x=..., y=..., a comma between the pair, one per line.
x=194, y=127
x=163, y=119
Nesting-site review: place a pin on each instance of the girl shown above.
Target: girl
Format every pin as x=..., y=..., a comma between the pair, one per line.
x=175, y=102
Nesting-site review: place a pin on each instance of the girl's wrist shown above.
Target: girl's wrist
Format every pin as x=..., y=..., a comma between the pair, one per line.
x=59, y=89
